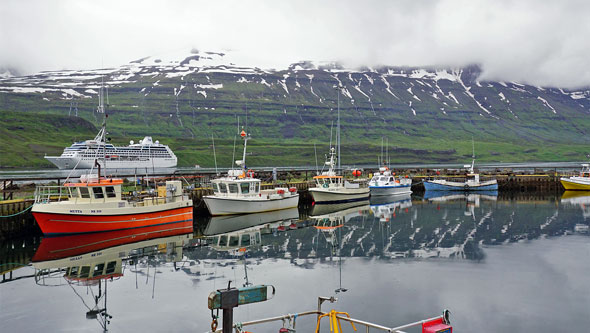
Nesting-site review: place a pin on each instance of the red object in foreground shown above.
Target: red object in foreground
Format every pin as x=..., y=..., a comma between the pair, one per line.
x=356, y=173
x=436, y=326
x=63, y=224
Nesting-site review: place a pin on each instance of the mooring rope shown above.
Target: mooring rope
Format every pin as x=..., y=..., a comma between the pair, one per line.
x=15, y=214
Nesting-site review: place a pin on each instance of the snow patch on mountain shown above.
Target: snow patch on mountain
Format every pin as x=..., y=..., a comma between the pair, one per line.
x=546, y=104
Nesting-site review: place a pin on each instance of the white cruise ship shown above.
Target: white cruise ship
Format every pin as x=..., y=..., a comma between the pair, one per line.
x=145, y=154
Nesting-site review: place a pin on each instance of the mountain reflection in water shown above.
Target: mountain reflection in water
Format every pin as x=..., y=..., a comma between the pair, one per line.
x=158, y=276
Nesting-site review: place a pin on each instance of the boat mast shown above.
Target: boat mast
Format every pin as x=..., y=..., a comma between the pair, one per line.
x=214, y=156
x=246, y=137
x=101, y=136
x=338, y=130
x=472, y=155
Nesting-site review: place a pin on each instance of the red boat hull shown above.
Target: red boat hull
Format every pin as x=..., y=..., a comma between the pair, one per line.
x=53, y=248
x=53, y=224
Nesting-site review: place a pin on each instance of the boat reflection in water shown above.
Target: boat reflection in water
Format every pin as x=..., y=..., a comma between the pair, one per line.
x=335, y=215
x=581, y=199
x=384, y=207
x=444, y=196
x=235, y=232
x=472, y=199
x=89, y=261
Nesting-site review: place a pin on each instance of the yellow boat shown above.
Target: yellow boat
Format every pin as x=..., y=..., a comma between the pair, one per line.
x=578, y=183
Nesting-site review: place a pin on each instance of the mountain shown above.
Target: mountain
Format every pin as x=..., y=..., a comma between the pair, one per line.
x=428, y=114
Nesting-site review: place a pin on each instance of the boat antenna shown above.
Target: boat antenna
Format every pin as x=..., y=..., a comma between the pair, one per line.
x=382, y=156
x=317, y=171
x=246, y=136
x=331, y=128
x=214, y=156
x=472, y=154
x=387, y=152
x=233, y=158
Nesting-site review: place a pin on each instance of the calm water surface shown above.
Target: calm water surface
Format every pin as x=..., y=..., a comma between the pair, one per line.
x=518, y=265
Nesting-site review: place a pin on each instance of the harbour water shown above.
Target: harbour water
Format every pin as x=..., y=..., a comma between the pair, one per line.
x=518, y=264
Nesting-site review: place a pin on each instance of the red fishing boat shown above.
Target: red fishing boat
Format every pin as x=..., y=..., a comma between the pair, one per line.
x=95, y=204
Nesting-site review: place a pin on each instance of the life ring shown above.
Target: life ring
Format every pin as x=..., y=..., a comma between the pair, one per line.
x=466, y=186
x=326, y=185
x=250, y=173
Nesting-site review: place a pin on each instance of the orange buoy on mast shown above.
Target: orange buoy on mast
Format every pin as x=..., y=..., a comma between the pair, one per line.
x=243, y=133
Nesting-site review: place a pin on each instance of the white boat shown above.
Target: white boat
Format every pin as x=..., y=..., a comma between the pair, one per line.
x=239, y=192
x=384, y=182
x=581, y=182
x=144, y=154
x=472, y=182
x=331, y=188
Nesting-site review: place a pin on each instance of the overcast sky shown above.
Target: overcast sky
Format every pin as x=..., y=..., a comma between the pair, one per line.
x=534, y=41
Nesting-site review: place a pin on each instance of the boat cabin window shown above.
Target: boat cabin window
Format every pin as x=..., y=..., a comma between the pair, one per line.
x=233, y=188
x=245, y=188
x=233, y=240
x=73, y=192
x=98, y=269
x=74, y=271
x=222, y=241
x=245, y=240
x=222, y=188
x=257, y=189
x=390, y=179
x=84, y=192
x=110, y=192
x=98, y=194
x=85, y=271
x=111, y=267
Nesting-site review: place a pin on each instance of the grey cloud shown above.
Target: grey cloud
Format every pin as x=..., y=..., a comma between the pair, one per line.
x=537, y=42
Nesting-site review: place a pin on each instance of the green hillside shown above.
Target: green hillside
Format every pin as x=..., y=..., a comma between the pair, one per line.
x=287, y=112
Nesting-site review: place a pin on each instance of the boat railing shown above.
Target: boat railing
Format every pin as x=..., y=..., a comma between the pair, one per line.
x=48, y=193
x=334, y=317
x=152, y=199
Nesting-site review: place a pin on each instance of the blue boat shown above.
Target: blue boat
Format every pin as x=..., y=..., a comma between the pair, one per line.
x=471, y=183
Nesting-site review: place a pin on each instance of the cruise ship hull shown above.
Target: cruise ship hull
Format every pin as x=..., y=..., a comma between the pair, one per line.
x=229, y=206
x=87, y=163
